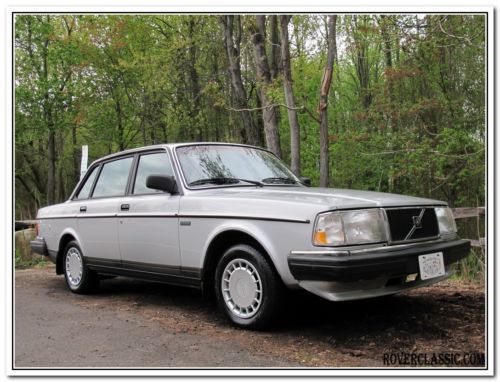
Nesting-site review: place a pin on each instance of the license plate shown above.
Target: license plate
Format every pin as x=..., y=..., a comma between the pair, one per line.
x=431, y=265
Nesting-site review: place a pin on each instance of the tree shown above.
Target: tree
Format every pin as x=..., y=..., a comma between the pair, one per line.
x=45, y=63
x=293, y=119
x=403, y=110
x=324, y=161
x=258, y=30
x=275, y=62
x=232, y=42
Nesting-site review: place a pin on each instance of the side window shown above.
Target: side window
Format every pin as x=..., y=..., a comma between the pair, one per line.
x=84, y=192
x=113, y=178
x=151, y=164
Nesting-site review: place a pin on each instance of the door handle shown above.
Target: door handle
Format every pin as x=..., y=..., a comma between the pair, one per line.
x=83, y=208
x=125, y=207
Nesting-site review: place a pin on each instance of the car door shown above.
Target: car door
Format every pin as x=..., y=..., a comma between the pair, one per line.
x=97, y=220
x=148, y=223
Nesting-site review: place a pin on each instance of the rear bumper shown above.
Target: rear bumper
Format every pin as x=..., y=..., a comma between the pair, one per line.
x=39, y=246
x=379, y=263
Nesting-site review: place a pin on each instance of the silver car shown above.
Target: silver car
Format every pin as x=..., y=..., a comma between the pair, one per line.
x=234, y=220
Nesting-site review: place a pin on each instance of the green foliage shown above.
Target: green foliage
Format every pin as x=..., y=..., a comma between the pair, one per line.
x=472, y=268
x=23, y=256
x=34, y=261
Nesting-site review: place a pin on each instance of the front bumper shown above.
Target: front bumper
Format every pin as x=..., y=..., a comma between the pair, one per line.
x=39, y=246
x=387, y=262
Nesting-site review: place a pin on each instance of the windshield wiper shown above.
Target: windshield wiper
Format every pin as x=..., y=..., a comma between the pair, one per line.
x=224, y=180
x=279, y=180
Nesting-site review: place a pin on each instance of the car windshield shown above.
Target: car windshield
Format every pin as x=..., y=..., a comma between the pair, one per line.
x=214, y=165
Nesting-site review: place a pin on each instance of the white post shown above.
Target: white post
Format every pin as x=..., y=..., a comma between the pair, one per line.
x=85, y=157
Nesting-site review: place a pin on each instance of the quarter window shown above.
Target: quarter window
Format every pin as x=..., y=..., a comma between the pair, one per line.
x=113, y=178
x=87, y=186
x=151, y=164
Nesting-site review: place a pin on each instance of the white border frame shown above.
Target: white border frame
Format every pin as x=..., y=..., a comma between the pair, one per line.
x=190, y=6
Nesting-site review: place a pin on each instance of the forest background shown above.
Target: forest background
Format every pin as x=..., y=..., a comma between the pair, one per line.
x=384, y=102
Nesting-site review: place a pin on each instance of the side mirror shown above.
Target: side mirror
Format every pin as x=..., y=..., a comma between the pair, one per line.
x=306, y=181
x=162, y=183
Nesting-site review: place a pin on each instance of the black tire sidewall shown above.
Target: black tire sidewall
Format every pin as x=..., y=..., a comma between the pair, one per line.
x=88, y=278
x=270, y=286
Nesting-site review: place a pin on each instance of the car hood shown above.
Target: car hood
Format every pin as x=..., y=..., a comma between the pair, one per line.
x=288, y=203
x=327, y=198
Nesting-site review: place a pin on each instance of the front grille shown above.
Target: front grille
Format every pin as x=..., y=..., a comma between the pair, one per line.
x=409, y=224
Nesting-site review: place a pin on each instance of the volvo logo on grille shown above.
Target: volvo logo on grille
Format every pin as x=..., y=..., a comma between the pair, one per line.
x=417, y=224
x=417, y=221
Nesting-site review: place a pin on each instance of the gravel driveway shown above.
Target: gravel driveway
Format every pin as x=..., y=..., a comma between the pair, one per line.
x=132, y=323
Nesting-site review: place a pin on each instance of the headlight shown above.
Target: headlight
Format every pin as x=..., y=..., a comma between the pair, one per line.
x=446, y=220
x=349, y=227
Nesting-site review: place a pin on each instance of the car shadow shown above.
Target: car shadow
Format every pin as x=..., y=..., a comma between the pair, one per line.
x=403, y=317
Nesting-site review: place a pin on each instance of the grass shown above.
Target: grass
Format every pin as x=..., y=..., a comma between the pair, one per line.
x=471, y=269
x=23, y=256
x=33, y=261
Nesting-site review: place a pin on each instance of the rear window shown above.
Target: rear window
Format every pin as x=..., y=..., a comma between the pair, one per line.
x=87, y=186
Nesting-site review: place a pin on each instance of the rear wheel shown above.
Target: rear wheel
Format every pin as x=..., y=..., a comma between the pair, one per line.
x=79, y=278
x=247, y=289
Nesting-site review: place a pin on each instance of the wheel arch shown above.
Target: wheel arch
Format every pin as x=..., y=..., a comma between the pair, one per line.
x=67, y=236
x=223, y=240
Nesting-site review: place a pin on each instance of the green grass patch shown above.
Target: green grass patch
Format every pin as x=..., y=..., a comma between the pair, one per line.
x=33, y=261
x=472, y=268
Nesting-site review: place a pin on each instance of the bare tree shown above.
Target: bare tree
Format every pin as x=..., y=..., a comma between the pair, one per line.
x=232, y=42
x=289, y=96
x=258, y=30
x=324, y=156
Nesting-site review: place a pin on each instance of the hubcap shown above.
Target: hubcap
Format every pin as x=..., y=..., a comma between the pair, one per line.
x=241, y=288
x=74, y=266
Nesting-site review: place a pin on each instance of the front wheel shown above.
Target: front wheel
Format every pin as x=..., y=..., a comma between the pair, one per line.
x=79, y=278
x=247, y=289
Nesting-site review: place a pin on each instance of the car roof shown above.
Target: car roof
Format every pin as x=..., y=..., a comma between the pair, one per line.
x=169, y=145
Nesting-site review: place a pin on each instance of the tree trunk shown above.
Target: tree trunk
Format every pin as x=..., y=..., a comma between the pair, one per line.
x=61, y=194
x=47, y=108
x=388, y=54
x=264, y=79
x=76, y=156
x=51, y=174
x=289, y=96
x=362, y=63
x=232, y=41
x=387, y=41
x=276, y=66
x=119, y=122
x=194, y=82
x=37, y=177
x=324, y=160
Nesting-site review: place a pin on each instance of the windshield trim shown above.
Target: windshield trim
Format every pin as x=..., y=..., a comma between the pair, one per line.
x=211, y=186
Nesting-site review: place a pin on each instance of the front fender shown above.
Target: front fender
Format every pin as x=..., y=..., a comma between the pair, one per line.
x=267, y=234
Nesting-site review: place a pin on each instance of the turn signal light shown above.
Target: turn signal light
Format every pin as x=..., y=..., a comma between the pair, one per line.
x=320, y=237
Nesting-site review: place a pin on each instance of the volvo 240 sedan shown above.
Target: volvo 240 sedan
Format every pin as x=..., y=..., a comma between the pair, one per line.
x=233, y=219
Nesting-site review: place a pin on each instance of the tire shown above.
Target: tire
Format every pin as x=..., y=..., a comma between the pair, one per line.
x=247, y=288
x=79, y=278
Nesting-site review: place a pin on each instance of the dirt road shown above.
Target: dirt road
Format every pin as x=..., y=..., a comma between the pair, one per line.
x=132, y=323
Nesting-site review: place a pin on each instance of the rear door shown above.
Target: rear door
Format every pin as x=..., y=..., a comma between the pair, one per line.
x=148, y=223
x=97, y=220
